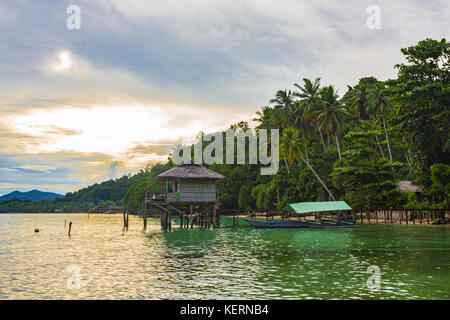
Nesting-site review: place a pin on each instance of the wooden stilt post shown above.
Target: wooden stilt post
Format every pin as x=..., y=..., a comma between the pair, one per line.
x=144, y=210
x=144, y=215
x=124, y=217
x=214, y=217
x=181, y=220
x=169, y=218
x=406, y=216
x=127, y=217
x=70, y=227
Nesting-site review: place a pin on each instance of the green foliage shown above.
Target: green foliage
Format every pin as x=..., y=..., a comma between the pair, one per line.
x=347, y=148
x=440, y=176
x=421, y=94
x=262, y=196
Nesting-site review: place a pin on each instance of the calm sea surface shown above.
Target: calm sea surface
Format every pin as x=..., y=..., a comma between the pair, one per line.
x=240, y=263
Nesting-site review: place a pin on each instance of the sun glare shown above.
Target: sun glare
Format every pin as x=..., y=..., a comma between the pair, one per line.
x=65, y=61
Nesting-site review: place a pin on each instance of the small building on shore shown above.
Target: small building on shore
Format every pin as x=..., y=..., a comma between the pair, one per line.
x=98, y=209
x=189, y=191
x=189, y=183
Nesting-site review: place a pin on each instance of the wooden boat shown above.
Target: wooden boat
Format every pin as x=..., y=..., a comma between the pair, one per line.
x=277, y=224
x=307, y=208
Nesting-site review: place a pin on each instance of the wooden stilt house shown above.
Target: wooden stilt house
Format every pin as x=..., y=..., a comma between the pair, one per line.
x=187, y=186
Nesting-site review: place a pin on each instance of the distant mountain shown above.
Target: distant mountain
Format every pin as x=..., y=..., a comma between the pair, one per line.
x=33, y=195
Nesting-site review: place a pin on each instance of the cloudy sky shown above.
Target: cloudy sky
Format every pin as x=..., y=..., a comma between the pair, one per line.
x=82, y=106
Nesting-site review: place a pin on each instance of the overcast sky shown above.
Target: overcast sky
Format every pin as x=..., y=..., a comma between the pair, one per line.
x=82, y=106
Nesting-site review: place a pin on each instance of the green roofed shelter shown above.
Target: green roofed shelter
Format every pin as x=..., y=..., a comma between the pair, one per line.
x=306, y=207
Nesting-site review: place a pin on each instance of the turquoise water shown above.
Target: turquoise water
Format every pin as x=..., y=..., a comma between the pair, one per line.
x=240, y=263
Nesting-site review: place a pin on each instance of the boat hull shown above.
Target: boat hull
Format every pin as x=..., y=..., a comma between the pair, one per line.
x=277, y=224
x=301, y=224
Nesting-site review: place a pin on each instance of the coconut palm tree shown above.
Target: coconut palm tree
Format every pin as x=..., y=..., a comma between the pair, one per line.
x=295, y=148
x=309, y=96
x=263, y=117
x=331, y=113
x=356, y=100
x=283, y=109
x=379, y=106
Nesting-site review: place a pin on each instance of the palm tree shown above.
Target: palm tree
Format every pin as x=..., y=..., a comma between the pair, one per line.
x=263, y=117
x=331, y=113
x=283, y=99
x=309, y=95
x=379, y=106
x=283, y=109
x=356, y=99
x=295, y=148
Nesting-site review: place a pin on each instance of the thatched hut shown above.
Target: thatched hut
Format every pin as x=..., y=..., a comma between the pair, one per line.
x=189, y=183
x=189, y=191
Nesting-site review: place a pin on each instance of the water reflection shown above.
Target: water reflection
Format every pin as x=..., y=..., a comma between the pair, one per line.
x=218, y=264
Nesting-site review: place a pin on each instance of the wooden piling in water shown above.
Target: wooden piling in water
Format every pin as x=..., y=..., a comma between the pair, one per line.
x=127, y=217
x=124, y=217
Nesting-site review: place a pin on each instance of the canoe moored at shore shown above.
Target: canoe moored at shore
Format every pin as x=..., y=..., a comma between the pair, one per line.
x=277, y=224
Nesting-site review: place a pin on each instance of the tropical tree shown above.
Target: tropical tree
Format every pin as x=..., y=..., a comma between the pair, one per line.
x=379, y=106
x=421, y=94
x=263, y=117
x=356, y=100
x=262, y=196
x=309, y=95
x=331, y=113
x=295, y=148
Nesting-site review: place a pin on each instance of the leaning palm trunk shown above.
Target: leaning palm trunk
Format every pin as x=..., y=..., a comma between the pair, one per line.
x=378, y=142
x=338, y=148
x=285, y=162
x=387, y=139
x=321, y=139
x=318, y=178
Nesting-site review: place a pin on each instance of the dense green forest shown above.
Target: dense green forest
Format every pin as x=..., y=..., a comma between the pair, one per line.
x=354, y=148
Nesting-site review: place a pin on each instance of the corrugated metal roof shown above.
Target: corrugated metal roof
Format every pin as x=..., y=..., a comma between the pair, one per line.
x=190, y=171
x=305, y=207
